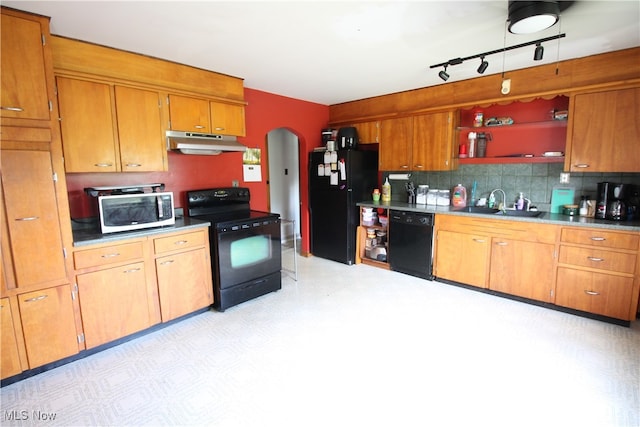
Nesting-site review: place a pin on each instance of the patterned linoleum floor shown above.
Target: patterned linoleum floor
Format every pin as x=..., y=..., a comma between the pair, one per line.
x=352, y=346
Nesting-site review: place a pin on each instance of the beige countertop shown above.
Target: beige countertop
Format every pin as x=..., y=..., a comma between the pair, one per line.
x=545, y=217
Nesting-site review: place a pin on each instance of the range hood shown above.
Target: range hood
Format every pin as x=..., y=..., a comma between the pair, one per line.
x=204, y=144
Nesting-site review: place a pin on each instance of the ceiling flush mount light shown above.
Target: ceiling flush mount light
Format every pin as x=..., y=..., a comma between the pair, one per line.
x=526, y=17
x=443, y=74
x=483, y=65
x=537, y=55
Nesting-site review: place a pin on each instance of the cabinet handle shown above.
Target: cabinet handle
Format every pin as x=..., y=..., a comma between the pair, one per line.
x=419, y=166
x=502, y=243
x=133, y=270
x=110, y=255
x=133, y=165
x=593, y=293
x=219, y=128
x=479, y=240
x=41, y=297
x=582, y=165
x=591, y=258
x=167, y=262
x=199, y=127
x=404, y=167
x=18, y=109
x=28, y=218
x=103, y=165
x=598, y=239
x=180, y=242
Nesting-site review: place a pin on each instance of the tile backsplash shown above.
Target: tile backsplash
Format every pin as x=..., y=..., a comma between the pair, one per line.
x=535, y=180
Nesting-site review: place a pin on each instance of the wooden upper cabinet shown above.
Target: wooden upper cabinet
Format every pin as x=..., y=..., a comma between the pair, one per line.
x=368, y=132
x=395, y=144
x=32, y=222
x=227, y=119
x=142, y=144
x=88, y=137
x=189, y=114
x=433, y=145
x=23, y=73
x=604, y=132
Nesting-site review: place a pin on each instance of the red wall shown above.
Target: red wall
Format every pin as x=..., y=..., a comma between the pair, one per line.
x=264, y=112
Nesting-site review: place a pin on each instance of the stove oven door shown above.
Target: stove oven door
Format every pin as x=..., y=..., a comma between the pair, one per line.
x=247, y=251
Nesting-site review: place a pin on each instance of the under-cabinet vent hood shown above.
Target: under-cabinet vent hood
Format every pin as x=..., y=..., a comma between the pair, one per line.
x=204, y=144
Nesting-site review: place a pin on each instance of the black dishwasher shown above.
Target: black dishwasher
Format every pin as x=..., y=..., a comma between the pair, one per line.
x=410, y=243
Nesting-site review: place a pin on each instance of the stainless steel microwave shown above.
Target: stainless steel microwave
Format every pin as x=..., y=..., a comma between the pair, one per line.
x=125, y=212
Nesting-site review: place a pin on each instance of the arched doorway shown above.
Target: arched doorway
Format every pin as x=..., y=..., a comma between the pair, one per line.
x=283, y=154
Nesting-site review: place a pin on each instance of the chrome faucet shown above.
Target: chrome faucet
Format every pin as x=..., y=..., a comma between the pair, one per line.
x=492, y=198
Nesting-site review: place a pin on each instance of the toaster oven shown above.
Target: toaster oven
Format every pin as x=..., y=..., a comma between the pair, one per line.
x=124, y=212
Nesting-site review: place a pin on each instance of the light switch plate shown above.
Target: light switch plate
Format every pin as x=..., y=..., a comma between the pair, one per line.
x=564, y=177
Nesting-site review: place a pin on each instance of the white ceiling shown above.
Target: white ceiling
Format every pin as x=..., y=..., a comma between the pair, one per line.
x=335, y=51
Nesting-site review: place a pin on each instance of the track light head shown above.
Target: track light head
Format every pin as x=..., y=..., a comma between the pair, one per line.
x=443, y=74
x=483, y=66
x=538, y=53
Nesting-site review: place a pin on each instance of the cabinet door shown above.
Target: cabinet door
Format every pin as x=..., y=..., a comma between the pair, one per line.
x=88, y=137
x=114, y=303
x=32, y=219
x=48, y=324
x=395, y=144
x=522, y=268
x=142, y=145
x=184, y=283
x=599, y=293
x=606, y=132
x=189, y=114
x=227, y=119
x=24, y=83
x=368, y=132
x=9, y=350
x=462, y=258
x=432, y=142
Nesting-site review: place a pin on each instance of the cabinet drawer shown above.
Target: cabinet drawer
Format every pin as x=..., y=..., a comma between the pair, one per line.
x=597, y=293
x=108, y=255
x=519, y=230
x=601, y=238
x=178, y=242
x=598, y=258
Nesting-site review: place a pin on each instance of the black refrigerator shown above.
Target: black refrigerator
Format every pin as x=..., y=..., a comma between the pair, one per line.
x=336, y=183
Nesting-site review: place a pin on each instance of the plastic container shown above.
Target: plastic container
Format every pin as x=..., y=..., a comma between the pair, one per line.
x=386, y=191
x=444, y=198
x=421, y=196
x=459, y=198
x=432, y=197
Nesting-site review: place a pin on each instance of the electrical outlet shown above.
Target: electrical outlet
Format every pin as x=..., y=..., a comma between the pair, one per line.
x=564, y=177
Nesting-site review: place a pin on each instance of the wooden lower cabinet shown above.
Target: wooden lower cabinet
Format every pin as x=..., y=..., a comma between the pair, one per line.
x=524, y=269
x=114, y=303
x=48, y=325
x=594, y=292
x=462, y=257
x=9, y=349
x=183, y=272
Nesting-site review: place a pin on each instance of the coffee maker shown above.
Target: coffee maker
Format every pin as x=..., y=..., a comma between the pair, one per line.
x=602, y=199
x=611, y=201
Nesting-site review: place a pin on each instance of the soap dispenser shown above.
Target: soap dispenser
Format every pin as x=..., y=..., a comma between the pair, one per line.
x=520, y=202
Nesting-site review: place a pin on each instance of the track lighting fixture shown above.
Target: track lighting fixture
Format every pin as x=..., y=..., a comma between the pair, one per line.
x=443, y=74
x=526, y=17
x=483, y=65
x=537, y=54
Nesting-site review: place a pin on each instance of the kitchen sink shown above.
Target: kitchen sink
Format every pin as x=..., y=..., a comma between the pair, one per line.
x=493, y=211
x=529, y=214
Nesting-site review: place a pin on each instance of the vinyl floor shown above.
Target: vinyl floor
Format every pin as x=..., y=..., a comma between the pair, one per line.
x=351, y=346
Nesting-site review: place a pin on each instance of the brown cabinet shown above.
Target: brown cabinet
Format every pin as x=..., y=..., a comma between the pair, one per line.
x=604, y=132
x=513, y=257
x=419, y=143
x=24, y=93
x=368, y=132
x=9, y=347
x=597, y=272
x=33, y=250
x=183, y=271
x=372, y=237
x=200, y=115
x=110, y=128
x=116, y=296
x=48, y=324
